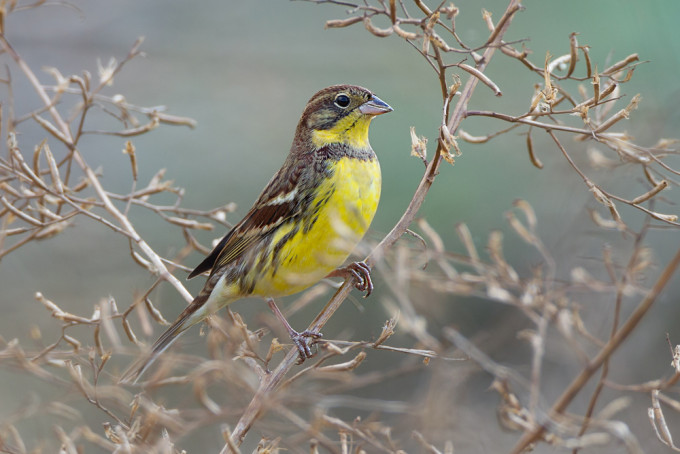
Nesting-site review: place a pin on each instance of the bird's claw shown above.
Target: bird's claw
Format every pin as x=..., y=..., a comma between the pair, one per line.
x=362, y=273
x=303, y=341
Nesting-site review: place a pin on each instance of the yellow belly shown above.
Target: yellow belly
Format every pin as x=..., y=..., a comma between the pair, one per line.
x=342, y=222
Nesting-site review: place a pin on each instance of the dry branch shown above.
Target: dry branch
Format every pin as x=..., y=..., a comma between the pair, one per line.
x=42, y=191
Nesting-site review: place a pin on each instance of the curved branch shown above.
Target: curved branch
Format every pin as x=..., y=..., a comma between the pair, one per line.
x=610, y=347
x=275, y=378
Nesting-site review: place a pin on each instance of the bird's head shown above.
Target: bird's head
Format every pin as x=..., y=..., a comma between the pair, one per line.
x=339, y=114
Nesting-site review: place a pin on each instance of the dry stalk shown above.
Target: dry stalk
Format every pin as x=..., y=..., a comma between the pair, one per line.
x=272, y=381
x=40, y=197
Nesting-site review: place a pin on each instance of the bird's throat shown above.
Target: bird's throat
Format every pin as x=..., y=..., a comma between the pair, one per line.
x=351, y=130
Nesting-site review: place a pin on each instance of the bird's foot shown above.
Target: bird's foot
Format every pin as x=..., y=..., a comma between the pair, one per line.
x=303, y=341
x=361, y=272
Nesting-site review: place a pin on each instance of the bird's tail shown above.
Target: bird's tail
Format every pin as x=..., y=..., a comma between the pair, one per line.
x=193, y=314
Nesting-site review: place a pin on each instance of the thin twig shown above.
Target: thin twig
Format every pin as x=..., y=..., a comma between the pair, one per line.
x=610, y=347
x=272, y=380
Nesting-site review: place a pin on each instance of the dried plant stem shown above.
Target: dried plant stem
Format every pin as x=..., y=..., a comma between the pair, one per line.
x=604, y=354
x=293, y=406
x=70, y=142
x=272, y=380
x=529, y=122
x=621, y=286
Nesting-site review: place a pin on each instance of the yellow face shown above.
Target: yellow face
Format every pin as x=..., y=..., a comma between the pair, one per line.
x=351, y=130
x=342, y=115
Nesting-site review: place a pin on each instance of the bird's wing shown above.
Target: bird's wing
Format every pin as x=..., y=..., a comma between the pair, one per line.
x=279, y=201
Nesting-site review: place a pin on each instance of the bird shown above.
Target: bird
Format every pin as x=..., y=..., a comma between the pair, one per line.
x=303, y=226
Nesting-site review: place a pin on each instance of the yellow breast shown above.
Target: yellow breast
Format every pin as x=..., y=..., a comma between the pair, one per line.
x=352, y=195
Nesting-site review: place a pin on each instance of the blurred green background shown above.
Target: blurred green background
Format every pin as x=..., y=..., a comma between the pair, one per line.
x=244, y=71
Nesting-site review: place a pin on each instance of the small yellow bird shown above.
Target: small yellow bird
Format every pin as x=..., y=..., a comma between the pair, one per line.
x=304, y=225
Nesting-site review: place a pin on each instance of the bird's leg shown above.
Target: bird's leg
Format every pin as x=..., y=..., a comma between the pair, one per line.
x=299, y=339
x=361, y=272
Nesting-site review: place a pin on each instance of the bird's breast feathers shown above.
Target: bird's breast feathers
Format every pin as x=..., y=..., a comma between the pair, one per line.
x=332, y=226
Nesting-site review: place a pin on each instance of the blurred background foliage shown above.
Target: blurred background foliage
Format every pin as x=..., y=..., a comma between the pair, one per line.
x=244, y=71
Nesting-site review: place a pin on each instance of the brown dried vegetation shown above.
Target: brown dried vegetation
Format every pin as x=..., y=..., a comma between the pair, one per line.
x=45, y=186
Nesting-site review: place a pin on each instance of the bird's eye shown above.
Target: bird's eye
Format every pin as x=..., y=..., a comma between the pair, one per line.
x=342, y=100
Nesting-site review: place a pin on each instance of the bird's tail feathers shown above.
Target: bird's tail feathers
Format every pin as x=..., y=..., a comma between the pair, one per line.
x=191, y=315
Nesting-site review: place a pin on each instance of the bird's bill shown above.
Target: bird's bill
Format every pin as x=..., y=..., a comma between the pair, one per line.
x=375, y=106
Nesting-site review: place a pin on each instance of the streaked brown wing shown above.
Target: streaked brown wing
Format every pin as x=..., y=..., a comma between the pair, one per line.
x=271, y=209
x=208, y=262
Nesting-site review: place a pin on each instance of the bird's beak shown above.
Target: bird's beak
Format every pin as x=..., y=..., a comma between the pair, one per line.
x=375, y=106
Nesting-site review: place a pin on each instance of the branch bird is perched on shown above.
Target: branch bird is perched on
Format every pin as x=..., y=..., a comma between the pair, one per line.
x=304, y=225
